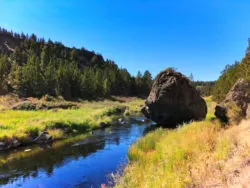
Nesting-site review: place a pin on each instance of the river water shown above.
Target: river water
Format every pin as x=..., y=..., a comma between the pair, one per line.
x=83, y=161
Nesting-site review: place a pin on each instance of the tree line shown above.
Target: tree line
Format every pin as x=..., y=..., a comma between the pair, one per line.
x=203, y=87
x=36, y=67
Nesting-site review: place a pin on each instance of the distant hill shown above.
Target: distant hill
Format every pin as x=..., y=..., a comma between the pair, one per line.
x=31, y=66
x=9, y=41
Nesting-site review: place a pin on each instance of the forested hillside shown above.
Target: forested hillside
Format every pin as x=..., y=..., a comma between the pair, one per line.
x=230, y=75
x=33, y=67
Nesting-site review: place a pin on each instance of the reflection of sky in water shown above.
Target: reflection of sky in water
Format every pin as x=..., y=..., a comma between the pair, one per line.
x=86, y=169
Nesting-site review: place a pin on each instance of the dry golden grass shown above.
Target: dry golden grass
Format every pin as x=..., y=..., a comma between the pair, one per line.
x=198, y=154
x=232, y=170
x=173, y=158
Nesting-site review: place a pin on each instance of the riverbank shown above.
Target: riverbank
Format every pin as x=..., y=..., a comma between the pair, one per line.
x=22, y=127
x=198, y=154
x=73, y=161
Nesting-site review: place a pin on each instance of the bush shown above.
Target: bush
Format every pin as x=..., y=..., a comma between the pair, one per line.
x=234, y=113
x=25, y=106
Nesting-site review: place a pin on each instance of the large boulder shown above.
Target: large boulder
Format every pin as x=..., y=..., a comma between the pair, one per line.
x=173, y=100
x=236, y=103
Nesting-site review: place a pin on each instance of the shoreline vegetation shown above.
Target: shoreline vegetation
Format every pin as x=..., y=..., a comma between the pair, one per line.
x=196, y=154
x=25, y=125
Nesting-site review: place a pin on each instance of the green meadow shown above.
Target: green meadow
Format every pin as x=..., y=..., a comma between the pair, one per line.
x=23, y=125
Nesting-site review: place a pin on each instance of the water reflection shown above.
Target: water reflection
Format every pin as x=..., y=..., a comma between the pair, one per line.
x=77, y=163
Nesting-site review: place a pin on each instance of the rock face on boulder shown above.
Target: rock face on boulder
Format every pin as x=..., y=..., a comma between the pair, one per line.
x=235, y=105
x=173, y=100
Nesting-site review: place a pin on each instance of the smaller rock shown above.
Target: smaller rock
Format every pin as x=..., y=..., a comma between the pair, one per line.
x=27, y=150
x=145, y=110
x=146, y=120
x=15, y=143
x=10, y=144
x=44, y=137
x=2, y=145
x=104, y=125
x=122, y=121
x=221, y=112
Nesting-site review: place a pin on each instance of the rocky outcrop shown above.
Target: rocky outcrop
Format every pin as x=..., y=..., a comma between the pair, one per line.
x=236, y=103
x=7, y=43
x=240, y=94
x=9, y=144
x=44, y=137
x=173, y=100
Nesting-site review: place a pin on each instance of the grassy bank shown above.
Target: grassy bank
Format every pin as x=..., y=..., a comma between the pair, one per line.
x=24, y=125
x=193, y=155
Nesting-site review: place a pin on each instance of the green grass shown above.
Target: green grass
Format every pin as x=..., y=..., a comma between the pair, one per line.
x=23, y=124
x=210, y=107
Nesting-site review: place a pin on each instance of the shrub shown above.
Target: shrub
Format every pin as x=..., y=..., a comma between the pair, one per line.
x=234, y=113
x=24, y=106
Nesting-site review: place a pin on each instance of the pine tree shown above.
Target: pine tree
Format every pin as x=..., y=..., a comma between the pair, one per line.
x=138, y=82
x=50, y=79
x=88, y=87
x=99, y=83
x=106, y=87
x=4, y=69
x=63, y=82
x=146, y=83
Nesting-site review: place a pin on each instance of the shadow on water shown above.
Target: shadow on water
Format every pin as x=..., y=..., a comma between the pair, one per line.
x=77, y=162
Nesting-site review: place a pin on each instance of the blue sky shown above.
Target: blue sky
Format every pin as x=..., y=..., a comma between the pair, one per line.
x=194, y=36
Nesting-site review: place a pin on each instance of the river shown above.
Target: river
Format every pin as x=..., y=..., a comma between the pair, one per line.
x=83, y=161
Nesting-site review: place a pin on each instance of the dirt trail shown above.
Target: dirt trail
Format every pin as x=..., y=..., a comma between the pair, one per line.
x=233, y=172
x=241, y=175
